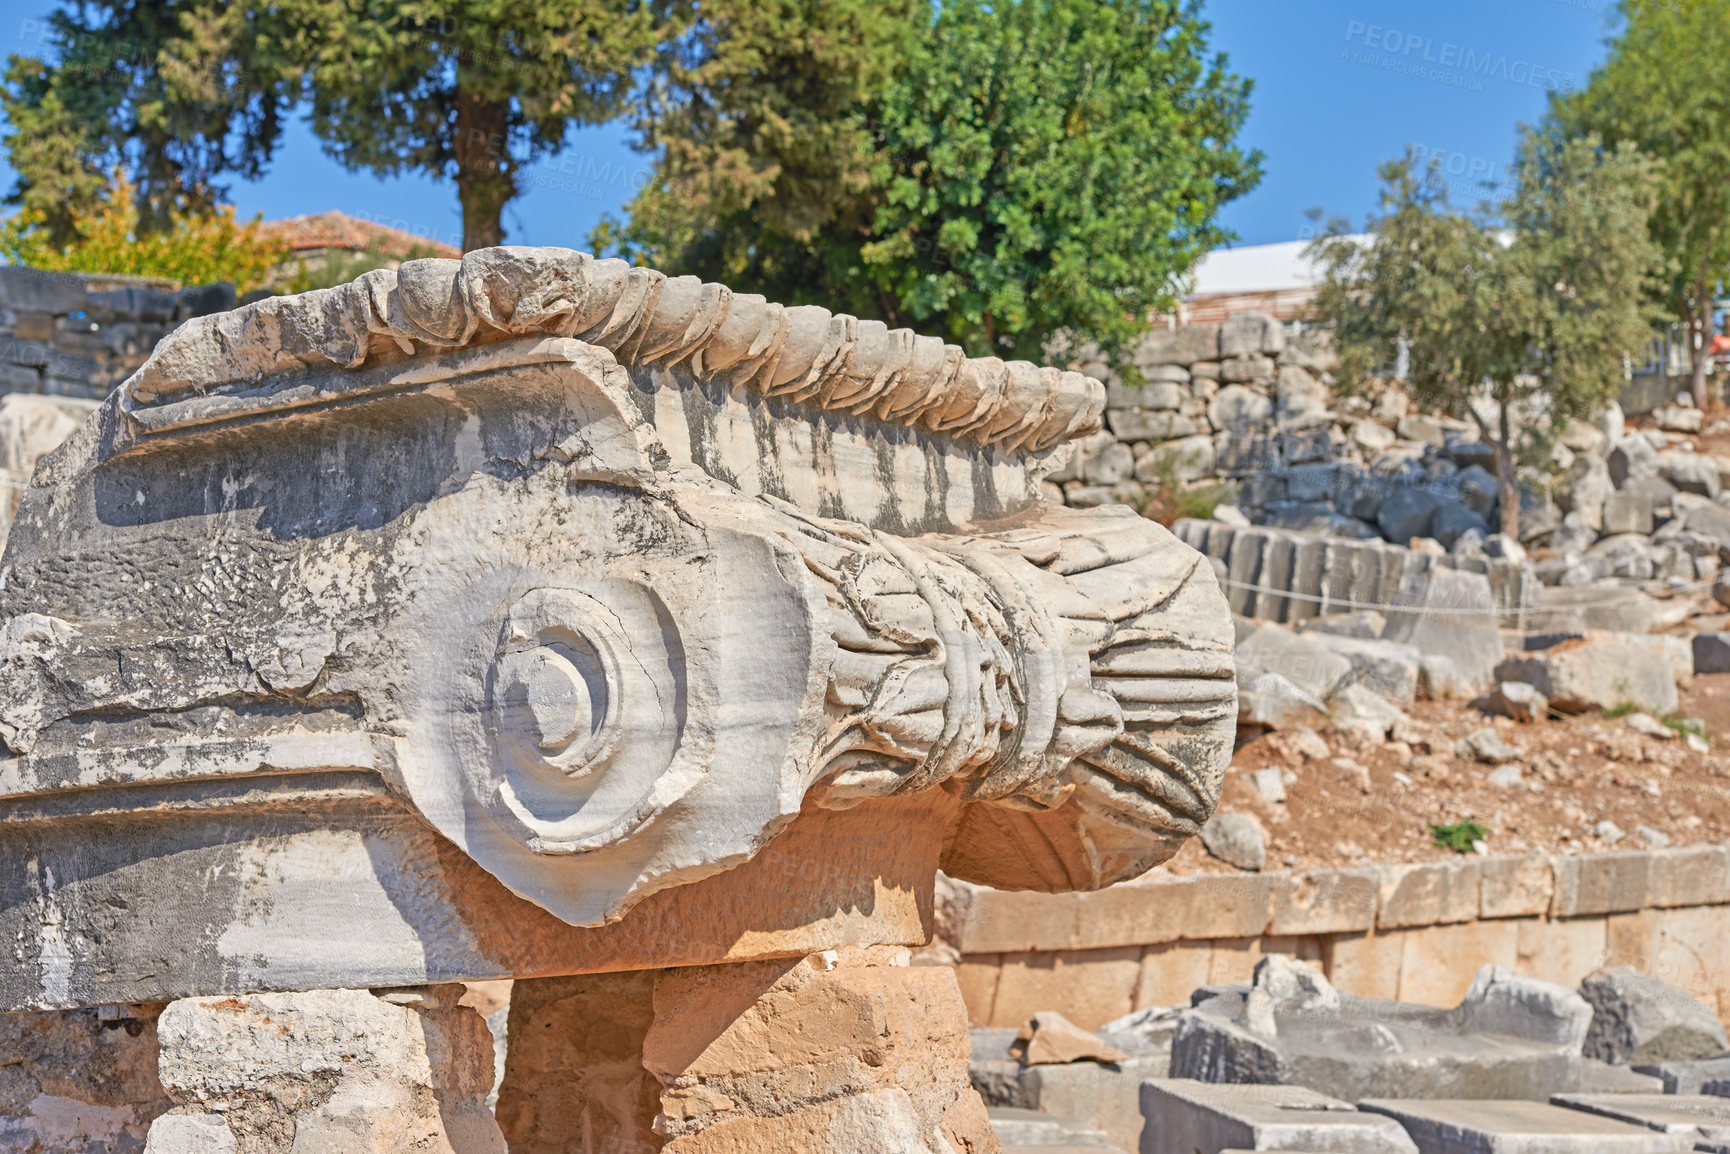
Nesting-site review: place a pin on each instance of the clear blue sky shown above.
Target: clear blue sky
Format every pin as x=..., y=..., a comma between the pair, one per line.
x=1340, y=85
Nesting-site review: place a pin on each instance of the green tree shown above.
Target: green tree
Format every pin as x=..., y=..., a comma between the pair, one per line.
x=1663, y=88
x=1534, y=308
x=184, y=92
x=196, y=247
x=992, y=172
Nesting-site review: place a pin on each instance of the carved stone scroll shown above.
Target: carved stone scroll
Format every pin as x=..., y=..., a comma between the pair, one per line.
x=603, y=581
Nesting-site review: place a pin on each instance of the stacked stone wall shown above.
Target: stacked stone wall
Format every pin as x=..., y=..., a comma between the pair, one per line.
x=78, y=335
x=1244, y=409
x=1415, y=932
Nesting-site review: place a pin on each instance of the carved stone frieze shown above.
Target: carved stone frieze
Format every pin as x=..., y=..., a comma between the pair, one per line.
x=607, y=578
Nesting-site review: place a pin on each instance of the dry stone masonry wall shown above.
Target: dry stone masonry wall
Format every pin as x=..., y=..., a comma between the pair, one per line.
x=75, y=335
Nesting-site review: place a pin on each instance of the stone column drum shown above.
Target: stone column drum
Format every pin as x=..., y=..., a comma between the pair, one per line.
x=536, y=616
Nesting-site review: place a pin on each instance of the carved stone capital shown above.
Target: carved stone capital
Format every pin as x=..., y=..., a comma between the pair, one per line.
x=604, y=577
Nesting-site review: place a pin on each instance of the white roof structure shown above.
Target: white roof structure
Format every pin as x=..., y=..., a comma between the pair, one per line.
x=1271, y=278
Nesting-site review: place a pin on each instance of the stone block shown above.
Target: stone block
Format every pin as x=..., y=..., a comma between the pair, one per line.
x=1187, y=459
x=1690, y=473
x=1089, y=987
x=574, y=1064
x=1428, y=893
x=1184, y=1116
x=1444, y=613
x=1597, y=671
x=850, y=1049
x=1687, y=1078
x=1238, y=407
x=1509, y=1037
x=1150, y=424
x=1406, y=513
x=335, y=1069
x=1632, y=459
x=1020, y=1128
x=1155, y=396
x=1386, y=668
x=1439, y=963
x=1179, y=345
x=1702, y=1117
x=1711, y=652
x=79, y=1080
x=1248, y=333
x=1640, y=1018
x=1629, y=512
x=1298, y=658
x=1564, y=950
x=1107, y=1096
x=1454, y=1126
x=1515, y=887
x=1171, y=971
x=1254, y=369
x=25, y=289
x=1325, y=902
x=1600, y=883
x=1688, y=876
x=1368, y=964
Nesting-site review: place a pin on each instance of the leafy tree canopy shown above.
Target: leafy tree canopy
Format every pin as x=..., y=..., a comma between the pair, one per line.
x=1533, y=308
x=992, y=172
x=196, y=248
x=184, y=92
x=1666, y=88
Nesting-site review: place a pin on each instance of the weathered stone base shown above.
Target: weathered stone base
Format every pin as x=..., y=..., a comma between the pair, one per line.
x=851, y=1051
x=326, y=1071
x=79, y=1081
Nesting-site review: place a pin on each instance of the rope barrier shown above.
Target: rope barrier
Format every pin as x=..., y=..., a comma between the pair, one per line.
x=1429, y=611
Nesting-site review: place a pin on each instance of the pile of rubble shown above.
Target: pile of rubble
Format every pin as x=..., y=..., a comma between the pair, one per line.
x=1626, y=1062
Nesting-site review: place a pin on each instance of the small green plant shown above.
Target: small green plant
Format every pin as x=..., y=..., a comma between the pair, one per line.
x=1459, y=836
x=1170, y=499
x=1688, y=726
x=1620, y=709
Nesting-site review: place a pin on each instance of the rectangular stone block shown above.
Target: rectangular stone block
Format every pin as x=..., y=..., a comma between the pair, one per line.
x=1184, y=1116
x=1429, y=893
x=1367, y=964
x=977, y=977
x=1155, y=396
x=1689, y=876
x=1227, y=905
x=1701, y=1117
x=1243, y=569
x=1600, y=883
x=988, y=921
x=1106, y=1097
x=1455, y=1126
x=1149, y=910
x=1170, y=972
x=1089, y=987
x=1276, y=574
x=1437, y=963
x=1515, y=887
x=1562, y=951
x=1325, y=902
x=1309, y=560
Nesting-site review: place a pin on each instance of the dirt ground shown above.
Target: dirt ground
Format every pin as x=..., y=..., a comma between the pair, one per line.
x=1367, y=802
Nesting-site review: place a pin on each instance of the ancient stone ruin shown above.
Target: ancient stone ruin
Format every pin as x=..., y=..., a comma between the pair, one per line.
x=535, y=616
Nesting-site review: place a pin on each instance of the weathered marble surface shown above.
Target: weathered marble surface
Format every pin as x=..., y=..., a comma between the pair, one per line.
x=532, y=578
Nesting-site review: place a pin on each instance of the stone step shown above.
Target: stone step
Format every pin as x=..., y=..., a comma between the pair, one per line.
x=1031, y=1129
x=1472, y=1126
